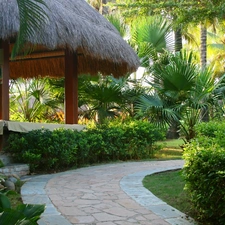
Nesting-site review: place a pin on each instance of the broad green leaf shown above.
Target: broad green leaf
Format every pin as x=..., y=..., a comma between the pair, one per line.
x=4, y=202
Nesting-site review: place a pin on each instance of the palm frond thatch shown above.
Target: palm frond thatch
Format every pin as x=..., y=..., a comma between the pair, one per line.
x=73, y=25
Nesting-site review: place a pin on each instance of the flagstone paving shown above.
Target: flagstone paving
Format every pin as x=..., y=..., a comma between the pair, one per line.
x=110, y=194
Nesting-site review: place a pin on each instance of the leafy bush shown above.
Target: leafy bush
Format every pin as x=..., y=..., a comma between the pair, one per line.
x=209, y=129
x=46, y=150
x=43, y=149
x=204, y=173
x=127, y=140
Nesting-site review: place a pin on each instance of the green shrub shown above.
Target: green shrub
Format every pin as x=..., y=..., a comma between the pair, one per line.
x=140, y=137
x=128, y=140
x=46, y=150
x=43, y=149
x=209, y=129
x=204, y=173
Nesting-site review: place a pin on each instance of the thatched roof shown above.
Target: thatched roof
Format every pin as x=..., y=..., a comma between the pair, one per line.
x=75, y=25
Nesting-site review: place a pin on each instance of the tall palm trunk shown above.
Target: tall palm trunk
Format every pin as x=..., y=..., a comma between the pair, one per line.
x=203, y=46
x=205, y=110
x=178, y=40
x=173, y=131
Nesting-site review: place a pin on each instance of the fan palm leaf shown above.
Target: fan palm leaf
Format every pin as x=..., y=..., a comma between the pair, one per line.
x=151, y=36
x=157, y=110
x=31, y=100
x=103, y=97
x=176, y=78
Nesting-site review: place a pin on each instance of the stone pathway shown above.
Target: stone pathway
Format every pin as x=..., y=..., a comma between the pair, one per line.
x=110, y=194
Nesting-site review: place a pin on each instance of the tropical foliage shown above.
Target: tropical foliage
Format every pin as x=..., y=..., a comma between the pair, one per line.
x=23, y=214
x=32, y=100
x=151, y=37
x=180, y=91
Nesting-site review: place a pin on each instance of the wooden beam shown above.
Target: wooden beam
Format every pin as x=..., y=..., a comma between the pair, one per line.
x=71, y=88
x=4, y=90
x=40, y=55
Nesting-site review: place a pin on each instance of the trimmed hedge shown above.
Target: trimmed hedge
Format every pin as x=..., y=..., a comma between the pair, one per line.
x=60, y=149
x=204, y=173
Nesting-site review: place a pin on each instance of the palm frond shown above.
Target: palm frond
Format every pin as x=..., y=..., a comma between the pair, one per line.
x=178, y=75
x=32, y=18
x=156, y=110
x=117, y=22
x=151, y=36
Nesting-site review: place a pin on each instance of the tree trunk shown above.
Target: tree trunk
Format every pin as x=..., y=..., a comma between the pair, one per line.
x=104, y=9
x=203, y=46
x=172, y=132
x=178, y=40
x=205, y=110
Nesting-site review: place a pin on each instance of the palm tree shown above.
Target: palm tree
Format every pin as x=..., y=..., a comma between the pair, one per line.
x=181, y=91
x=216, y=49
x=103, y=97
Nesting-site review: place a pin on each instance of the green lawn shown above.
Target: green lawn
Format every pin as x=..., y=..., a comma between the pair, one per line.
x=169, y=186
x=171, y=149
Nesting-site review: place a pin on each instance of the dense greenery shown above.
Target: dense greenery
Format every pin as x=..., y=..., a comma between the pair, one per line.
x=60, y=149
x=181, y=91
x=184, y=11
x=33, y=100
x=204, y=172
x=27, y=214
x=211, y=129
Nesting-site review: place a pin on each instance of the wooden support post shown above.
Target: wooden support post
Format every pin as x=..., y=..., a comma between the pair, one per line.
x=1, y=136
x=71, y=88
x=4, y=86
x=1, y=103
x=4, y=94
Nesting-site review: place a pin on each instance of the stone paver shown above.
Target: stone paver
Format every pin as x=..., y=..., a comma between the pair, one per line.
x=110, y=194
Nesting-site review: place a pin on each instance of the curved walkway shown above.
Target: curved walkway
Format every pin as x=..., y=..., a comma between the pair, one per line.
x=110, y=194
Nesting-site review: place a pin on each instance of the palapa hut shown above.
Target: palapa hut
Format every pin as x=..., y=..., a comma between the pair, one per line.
x=75, y=40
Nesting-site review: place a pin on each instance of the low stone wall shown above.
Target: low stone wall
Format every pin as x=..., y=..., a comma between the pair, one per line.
x=18, y=169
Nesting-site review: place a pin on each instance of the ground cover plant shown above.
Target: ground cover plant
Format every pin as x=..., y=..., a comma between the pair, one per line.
x=21, y=214
x=12, y=209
